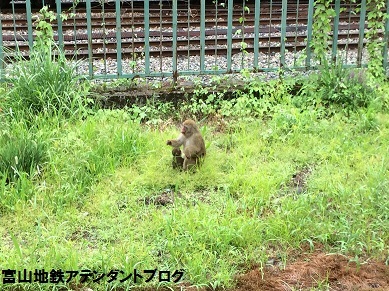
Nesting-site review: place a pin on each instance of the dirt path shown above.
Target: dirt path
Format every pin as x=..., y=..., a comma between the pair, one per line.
x=321, y=271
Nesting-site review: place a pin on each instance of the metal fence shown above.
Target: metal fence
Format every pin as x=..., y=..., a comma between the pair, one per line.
x=176, y=38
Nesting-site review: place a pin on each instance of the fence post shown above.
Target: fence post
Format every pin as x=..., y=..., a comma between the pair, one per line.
x=362, y=18
x=174, y=26
x=256, y=32
x=147, y=36
x=335, y=31
x=118, y=39
x=202, y=35
x=283, y=31
x=29, y=22
x=229, y=34
x=59, y=21
x=1, y=49
x=89, y=28
x=309, y=34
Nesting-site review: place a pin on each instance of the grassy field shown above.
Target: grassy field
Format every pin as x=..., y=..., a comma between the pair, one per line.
x=95, y=190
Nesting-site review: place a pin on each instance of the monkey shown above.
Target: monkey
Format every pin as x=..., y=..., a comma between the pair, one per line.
x=178, y=160
x=193, y=144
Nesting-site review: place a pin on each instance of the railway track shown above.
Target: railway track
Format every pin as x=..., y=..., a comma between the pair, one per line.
x=138, y=21
x=104, y=38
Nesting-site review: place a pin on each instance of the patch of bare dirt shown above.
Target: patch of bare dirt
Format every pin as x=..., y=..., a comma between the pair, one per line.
x=164, y=198
x=299, y=180
x=318, y=270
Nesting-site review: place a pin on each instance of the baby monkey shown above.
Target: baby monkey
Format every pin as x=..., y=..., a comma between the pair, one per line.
x=178, y=160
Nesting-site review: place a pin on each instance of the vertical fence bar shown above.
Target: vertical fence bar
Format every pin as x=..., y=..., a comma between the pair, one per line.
x=309, y=34
x=283, y=31
x=242, y=25
x=75, y=33
x=1, y=49
x=133, y=56
x=59, y=22
x=386, y=37
x=104, y=38
x=29, y=22
x=269, y=34
x=216, y=32
x=89, y=28
x=188, y=35
x=118, y=39
x=160, y=35
x=335, y=31
x=362, y=18
x=229, y=34
x=256, y=32
x=202, y=35
x=147, y=36
x=174, y=26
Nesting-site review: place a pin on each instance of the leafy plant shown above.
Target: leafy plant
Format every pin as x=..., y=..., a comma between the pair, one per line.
x=44, y=29
x=375, y=22
x=152, y=112
x=321, y=36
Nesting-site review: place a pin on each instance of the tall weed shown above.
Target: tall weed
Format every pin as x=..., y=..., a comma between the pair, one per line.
x=44, y=85
x=21, y=152
x=335, y=88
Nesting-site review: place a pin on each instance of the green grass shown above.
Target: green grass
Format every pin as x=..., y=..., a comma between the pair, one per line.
x=82, y=188
x=94, y=189
x=88, y=210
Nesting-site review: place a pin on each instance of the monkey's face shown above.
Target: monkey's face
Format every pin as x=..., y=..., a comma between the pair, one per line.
x=186, y=130
x=188, y=127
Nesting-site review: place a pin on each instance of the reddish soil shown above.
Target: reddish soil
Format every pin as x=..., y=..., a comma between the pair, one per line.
x=312, y=271
x=323, y=271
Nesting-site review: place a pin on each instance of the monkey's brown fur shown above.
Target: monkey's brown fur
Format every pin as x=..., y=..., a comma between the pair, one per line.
x=193, y=144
